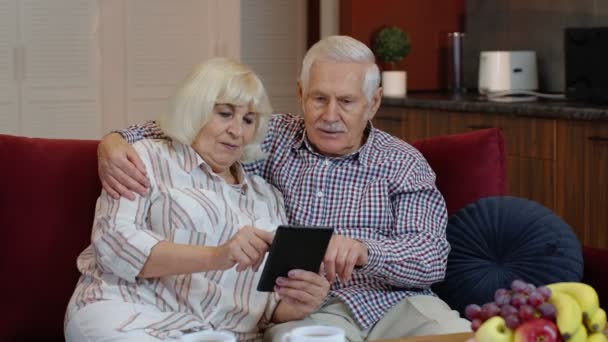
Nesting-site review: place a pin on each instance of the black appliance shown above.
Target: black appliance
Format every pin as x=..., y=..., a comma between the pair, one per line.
x=586, y=56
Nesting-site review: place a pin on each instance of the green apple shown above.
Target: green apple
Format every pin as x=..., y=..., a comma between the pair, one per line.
x=494, y=330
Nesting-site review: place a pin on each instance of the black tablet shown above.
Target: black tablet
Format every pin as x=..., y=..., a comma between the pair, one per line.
x=294, y=247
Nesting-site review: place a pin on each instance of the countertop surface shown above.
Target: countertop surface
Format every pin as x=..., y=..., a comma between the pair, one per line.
x=559, y=109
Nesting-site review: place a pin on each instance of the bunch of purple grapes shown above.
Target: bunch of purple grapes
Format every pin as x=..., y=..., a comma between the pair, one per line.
x=523, y=302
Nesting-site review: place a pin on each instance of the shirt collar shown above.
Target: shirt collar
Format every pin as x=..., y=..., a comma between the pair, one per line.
x=188, y=158
x=365, y=149
x=300, y=141
x=299, y=136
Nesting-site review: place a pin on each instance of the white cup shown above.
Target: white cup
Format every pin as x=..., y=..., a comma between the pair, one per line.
x=315, y=333
x=209, y=336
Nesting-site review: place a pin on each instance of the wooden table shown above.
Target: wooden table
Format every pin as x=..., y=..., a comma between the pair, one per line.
x=460, y=337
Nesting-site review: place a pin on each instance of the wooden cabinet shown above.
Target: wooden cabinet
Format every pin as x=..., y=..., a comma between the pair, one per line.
x=441, y=123
x=407, y=125
x=530, y=145
x=562, y=164
x=392, y=121
x=582, y=179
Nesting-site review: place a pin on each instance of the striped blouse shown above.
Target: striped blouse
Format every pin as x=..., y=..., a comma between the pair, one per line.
x=186, y=204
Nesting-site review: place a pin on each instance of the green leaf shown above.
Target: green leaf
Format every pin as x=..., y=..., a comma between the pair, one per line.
x=391, y=44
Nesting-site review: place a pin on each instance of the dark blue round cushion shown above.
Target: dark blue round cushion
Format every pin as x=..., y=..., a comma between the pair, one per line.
x=498, y=239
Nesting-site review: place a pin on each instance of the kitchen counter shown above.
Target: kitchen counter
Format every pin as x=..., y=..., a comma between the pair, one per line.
x=557, y=151
x=558, y=109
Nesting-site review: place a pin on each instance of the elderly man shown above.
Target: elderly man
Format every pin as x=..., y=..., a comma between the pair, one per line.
x=335, y=169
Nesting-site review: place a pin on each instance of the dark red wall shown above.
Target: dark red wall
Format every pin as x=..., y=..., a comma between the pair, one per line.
x=426, y=21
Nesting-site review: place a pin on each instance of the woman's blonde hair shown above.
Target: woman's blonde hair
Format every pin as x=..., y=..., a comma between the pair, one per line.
x=216, y=81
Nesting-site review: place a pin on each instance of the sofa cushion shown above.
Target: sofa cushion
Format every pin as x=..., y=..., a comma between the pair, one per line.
x=498, y=239
x=468, y=166
x=49, y=188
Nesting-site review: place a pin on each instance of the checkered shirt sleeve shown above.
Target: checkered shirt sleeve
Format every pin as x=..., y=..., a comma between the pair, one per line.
x=137, y=132
x=415, y=256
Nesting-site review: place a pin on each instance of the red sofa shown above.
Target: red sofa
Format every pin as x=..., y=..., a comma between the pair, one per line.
x=48, y=190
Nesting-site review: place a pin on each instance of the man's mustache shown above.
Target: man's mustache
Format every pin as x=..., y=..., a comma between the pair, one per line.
x=335, y=127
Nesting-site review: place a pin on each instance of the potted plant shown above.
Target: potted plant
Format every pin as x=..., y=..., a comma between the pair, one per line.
x=391, y=45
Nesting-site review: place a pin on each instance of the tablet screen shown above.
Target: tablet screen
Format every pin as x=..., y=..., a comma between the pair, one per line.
x=294, y=247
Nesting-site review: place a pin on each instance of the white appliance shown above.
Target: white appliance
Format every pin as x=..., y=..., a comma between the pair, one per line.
x=503, y=73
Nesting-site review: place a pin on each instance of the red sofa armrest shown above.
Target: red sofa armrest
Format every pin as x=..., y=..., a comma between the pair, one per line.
x=47, y=203
x=594, y=272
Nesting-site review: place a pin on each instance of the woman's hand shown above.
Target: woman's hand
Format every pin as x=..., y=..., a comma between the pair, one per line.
x=245, y=249
x=120, y=169
x=301, y=293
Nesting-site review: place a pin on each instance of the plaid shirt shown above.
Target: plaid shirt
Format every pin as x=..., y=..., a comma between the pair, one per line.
x=384, y=195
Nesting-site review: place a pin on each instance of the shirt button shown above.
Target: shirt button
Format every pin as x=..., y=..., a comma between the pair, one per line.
x=319, y=194
x=326, y=162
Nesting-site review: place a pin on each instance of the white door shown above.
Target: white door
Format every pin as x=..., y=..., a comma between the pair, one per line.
x=273, y=36
x=60, y=84
x=9, y=68
x=165, y=39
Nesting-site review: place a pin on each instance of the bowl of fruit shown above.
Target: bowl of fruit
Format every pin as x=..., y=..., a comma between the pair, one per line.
x=566, y=311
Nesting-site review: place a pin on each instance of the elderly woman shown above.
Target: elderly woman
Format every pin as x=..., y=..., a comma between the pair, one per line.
x=184, y=257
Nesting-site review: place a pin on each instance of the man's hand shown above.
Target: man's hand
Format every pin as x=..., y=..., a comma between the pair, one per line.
x=120, y=169
x=246, y=248
x=301, y=293
x=341, y=257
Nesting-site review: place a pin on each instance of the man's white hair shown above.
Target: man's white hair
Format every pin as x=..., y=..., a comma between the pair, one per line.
x=342, y=49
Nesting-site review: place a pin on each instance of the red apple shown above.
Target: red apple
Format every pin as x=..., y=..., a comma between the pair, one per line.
x=537, y=330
